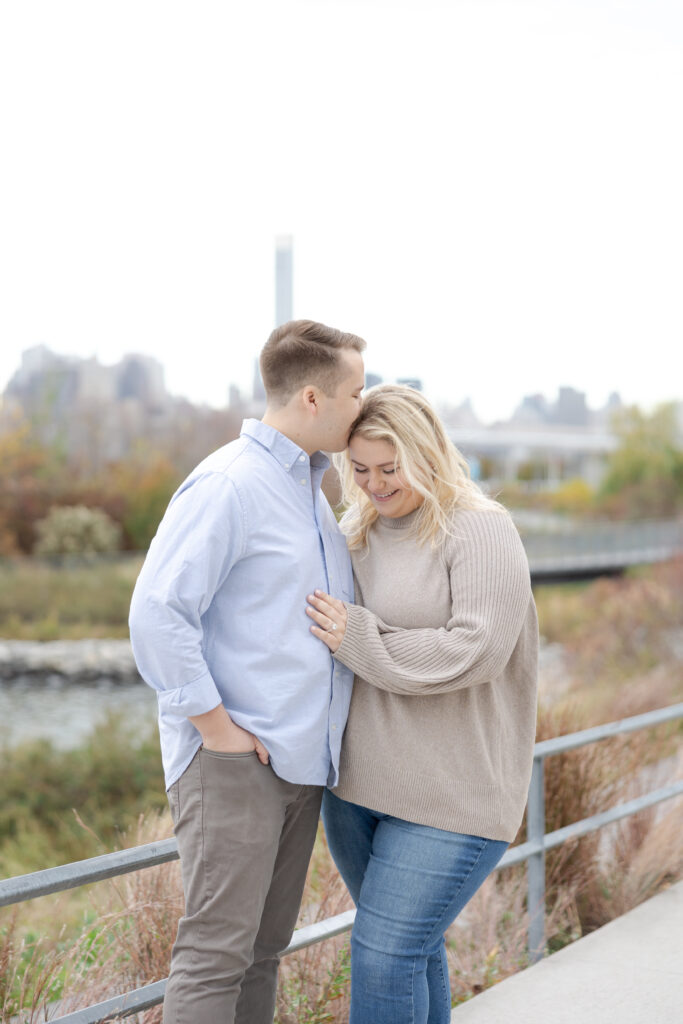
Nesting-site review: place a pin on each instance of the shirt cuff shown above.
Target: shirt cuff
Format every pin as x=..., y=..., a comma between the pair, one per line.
x=195, y=698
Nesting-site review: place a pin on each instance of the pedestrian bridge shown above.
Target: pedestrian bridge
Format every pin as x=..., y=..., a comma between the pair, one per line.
x=628, y=972
x=558, y=550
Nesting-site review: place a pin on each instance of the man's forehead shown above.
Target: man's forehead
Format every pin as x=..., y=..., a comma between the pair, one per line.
x=352, y=361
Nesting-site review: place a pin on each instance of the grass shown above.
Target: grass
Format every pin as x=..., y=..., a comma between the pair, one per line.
x=107, y=782
x=622, y=641
x=624, y=618
x=51, y=601
x=42, y=600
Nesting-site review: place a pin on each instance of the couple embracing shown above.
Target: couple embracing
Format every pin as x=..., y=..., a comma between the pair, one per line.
x=386, y=669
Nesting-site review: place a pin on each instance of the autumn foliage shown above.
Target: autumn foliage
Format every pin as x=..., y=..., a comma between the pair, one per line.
x=35, y=478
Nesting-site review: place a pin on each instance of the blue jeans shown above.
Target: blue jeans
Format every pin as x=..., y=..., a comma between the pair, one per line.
x=409, y=883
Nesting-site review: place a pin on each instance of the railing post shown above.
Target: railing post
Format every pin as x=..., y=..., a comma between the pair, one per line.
x=536, y=863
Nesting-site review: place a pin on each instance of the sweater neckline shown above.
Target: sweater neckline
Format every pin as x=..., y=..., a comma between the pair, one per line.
x=398, y=522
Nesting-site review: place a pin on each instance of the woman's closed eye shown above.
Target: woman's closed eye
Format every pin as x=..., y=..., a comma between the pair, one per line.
x=387, y=472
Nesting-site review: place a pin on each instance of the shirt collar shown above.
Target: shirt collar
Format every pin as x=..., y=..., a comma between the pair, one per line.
x=287, y=453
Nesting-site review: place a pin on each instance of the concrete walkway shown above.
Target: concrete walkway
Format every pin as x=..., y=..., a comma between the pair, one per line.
x=628, y=972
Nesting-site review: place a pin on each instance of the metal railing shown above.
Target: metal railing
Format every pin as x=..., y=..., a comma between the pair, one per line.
x=594, y=547
x=68, y=876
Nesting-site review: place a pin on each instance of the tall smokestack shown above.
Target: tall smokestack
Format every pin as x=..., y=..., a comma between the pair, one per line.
x=283, y=279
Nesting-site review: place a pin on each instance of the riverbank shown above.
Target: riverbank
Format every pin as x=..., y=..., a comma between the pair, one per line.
x=70, y=661
x=94, y=660
x=58, y=691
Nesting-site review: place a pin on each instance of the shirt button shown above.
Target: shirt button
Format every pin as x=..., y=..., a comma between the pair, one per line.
x=287, y=464
x=334, y=728
x=302, y=482
x=302, y=458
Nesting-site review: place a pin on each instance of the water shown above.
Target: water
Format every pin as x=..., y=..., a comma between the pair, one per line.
x=52, y=708
x=66, y=713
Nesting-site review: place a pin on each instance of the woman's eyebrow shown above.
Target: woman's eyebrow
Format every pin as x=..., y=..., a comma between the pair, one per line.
x=381, y=465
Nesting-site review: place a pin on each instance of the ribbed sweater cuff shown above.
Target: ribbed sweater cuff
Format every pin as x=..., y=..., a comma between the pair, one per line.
x=350, y=650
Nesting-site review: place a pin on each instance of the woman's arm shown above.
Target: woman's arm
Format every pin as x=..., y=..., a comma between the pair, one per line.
x=491, y=592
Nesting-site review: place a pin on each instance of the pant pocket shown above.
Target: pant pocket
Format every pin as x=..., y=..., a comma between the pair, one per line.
x=222, y=754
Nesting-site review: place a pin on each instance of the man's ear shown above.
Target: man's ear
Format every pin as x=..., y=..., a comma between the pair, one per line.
x=309, y=397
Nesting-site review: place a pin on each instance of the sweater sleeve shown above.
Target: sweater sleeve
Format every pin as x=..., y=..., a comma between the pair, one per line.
x=490, y=590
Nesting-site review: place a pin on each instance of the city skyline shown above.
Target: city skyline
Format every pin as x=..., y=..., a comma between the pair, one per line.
x=97, y=415
x=66, y=378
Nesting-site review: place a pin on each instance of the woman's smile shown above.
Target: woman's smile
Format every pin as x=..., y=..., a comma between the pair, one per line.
x=382, y=496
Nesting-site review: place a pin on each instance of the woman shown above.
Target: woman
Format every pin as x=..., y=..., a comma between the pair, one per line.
x=437, y=752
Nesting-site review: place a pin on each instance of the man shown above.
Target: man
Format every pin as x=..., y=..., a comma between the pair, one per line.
x=251, y=707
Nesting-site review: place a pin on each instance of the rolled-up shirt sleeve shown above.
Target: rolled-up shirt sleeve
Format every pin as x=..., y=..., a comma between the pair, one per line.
x=200, y=538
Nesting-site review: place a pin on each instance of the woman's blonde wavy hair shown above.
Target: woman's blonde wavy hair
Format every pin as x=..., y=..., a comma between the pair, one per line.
x=429, y=463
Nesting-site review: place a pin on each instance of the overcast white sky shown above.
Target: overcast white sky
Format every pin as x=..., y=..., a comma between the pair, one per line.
x=490, y=192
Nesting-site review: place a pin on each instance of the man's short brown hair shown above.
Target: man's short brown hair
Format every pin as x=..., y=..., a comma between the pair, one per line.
x=303, y=352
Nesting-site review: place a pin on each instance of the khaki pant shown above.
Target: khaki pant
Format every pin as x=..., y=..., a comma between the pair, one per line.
x=245, y=838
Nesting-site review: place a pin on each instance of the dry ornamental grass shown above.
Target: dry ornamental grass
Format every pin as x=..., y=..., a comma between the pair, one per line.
x=623, y=659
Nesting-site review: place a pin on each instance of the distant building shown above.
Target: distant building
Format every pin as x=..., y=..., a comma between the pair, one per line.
x=544, y=456
x=284, y=279
x=95, y=413
x=462, y=415
x=603, y=417
x=45, y=379
x=570, y=408
x=373, y=379
x=410, y=382
x=543, y=442
x=532, y=409
x=141, y=377
x=258, y=390
x=235, y=400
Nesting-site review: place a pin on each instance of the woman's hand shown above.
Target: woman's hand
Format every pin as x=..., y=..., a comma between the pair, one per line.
x=330, y=617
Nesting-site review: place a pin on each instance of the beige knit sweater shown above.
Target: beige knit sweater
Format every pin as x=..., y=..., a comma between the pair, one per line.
x=443, y=644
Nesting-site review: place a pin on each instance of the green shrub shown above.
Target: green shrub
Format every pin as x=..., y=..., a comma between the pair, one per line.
x=76, y=530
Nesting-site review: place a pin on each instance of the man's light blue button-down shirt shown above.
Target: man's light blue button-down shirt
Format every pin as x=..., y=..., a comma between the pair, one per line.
x=218, y=612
